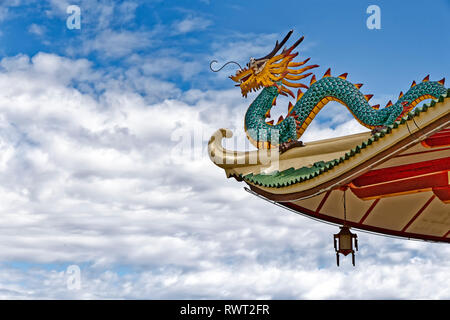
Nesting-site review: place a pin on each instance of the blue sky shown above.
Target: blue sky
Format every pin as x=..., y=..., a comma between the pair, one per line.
x=405, y=48
x=92, y=122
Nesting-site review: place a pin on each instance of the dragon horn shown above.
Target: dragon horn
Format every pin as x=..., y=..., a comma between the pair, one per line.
x=294, y=45
x=278, y=46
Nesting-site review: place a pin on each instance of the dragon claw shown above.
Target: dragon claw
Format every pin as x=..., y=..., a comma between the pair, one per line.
x=280, y=90
x=285, y=146
x=378, y=129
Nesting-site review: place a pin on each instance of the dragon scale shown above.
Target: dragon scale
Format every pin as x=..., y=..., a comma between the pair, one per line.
x=265, y=135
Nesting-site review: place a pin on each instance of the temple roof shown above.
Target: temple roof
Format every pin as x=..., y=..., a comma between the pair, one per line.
x=396, y=182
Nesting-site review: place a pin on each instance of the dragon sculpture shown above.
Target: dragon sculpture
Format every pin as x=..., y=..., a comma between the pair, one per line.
x=275, y=73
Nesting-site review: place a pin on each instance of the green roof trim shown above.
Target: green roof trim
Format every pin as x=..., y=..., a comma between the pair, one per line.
x=279, y=179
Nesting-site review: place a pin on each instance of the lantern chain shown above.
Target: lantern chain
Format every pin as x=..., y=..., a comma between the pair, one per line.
x=345, y=208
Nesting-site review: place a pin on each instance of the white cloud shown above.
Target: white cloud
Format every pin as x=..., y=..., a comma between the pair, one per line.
x=110, y=43
x=3, y=13
x=59, y=6
x=127, y=10
x=107, y=28
x=190, y=24
x=91, y=179
x=36, y=29
x=6, y=13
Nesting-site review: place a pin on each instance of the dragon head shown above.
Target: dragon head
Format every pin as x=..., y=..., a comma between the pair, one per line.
x=273, y=70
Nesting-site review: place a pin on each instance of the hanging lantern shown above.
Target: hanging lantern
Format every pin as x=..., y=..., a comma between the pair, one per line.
x=343, y=243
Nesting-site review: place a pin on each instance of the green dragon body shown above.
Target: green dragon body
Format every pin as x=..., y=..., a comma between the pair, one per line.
x=321, y=92
x=274, y=73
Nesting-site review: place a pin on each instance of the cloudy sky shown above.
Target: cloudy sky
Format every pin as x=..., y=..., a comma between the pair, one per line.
x=103, y=163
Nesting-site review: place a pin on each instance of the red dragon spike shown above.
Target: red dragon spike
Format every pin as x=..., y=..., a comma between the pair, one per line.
x=343, y=76
x=327, y=73
x=358, y=85
x=368, y=96
x=388, y=104
x=442, y=81
x=280, y=119
x=299, y=94
x=400, y=95
x=290, y=107
x=376, y=107
x=413, y=84
x=270, y=122
x=427, y=78
x=313, y=79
